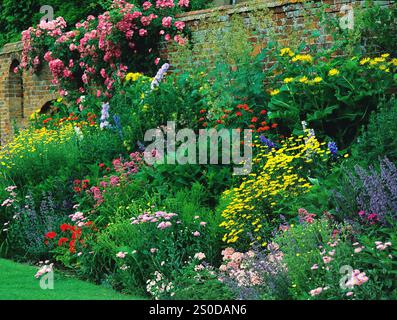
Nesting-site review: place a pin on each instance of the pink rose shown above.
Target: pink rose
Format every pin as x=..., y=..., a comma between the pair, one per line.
x=142, y=32
x=146, y=5
x=166, y=22
x=179, y=25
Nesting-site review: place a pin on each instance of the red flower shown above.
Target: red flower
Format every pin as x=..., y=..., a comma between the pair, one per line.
x=72, y=246
x=50, y=235
x=77, y=189
x=219, y=121
x=62, y=241
x=266, y=128
x=263, y=123
x=76, y=181
x=238, y=114
x=245, y=107
x=64, y=227
x=204, y=124
x=202, y=111
x=274, y=125
x=201, y=119
x=263, y=111
x=254, y=119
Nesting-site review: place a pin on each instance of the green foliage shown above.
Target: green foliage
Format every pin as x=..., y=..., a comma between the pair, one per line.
x=173, y=246
x=18, y=16
x=377, y=139
x=193, y=284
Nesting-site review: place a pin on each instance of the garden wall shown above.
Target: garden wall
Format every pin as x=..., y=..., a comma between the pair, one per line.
x=287, y=20
x=21, y=95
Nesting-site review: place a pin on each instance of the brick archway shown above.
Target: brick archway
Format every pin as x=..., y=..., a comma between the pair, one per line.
x=20, y=94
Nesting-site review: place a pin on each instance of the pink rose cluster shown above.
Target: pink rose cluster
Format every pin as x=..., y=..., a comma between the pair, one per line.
x=92, y=53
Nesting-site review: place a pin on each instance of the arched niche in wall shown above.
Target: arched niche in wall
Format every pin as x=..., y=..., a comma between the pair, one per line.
x=48, y=108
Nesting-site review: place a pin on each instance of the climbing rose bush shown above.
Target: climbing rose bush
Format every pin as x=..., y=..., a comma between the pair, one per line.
x=100, y=50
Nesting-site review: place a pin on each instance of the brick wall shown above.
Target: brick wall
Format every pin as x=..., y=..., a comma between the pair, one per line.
x=20, y=94
x=286, y=21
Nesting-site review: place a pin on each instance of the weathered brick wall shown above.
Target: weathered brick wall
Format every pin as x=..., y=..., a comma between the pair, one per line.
x=20, y=95
x=287, y=21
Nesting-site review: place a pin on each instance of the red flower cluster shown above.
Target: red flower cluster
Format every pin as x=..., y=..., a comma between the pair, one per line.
x=80, y=185
x=243, y=116
x=70, y=236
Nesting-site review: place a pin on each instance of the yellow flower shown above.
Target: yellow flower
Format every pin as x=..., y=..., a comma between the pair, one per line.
x=286, y=51
x=346, y=155
x=303, y=57
x=304, y=79
x=317, y=79
x=288, y=80
x=333, y=72
x=364, y=61
x=133, y=76
x=385, y=55
x=274, y=92
x=59, y=100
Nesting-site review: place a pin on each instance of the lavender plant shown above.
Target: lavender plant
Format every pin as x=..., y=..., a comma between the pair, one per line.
x=29, y=224
x=372, y=193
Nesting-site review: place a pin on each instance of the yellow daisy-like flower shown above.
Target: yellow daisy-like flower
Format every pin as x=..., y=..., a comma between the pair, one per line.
x=274, y=92
x=385, y=55
x=317, y=79
x=133, y=76
x=286, y=51
x=303, y=57
x=304, y=80
x=333, y=72
x=364, y=61
x=288, y=80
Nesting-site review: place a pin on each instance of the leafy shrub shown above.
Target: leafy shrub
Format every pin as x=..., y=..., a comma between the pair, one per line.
x=154, y=246
x=335, y=97
x=377, y=139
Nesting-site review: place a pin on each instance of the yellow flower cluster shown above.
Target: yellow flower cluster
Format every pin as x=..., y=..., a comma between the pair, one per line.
x=303, y=57
x=28, y=141
x=382, y=62
x=286, y=51
x=133, y=76
x=280, y=176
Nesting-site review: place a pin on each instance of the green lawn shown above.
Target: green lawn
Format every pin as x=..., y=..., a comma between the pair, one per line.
x=17, y=282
